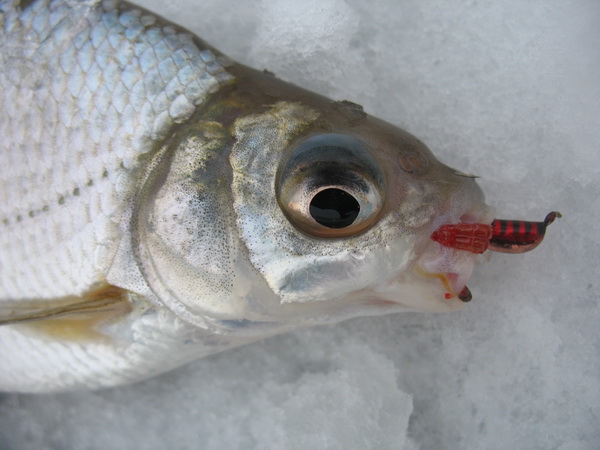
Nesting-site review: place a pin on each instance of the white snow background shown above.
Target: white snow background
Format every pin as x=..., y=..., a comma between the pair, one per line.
x=507, y=90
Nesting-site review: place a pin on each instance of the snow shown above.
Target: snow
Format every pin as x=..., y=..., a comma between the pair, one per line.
x=507, y=90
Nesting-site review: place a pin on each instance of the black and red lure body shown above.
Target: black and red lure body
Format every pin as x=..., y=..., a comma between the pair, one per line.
x=507, y=236
x=518, y=236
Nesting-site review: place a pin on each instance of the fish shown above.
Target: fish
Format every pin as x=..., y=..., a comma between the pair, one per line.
x=160, y=202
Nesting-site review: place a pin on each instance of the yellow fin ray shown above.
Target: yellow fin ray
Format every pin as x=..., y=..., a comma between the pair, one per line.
x=73, y=317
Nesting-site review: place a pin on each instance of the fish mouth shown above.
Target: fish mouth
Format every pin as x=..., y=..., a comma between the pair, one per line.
x=453, y=284
x=452, y=267
x=455, y=247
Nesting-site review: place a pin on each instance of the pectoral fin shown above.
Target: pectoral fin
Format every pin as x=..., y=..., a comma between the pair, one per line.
x=73, y=317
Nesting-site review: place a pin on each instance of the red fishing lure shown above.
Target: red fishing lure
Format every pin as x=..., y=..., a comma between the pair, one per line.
x=508, y=236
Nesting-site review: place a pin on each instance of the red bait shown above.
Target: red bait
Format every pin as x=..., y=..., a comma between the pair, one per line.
x=507, y=236
x=472, y=237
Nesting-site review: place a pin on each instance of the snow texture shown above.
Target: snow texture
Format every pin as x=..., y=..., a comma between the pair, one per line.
x=507, y=90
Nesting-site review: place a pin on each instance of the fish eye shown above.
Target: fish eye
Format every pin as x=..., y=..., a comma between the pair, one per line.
x=330, y=186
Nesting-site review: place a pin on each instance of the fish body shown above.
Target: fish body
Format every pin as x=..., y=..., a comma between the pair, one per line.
x=160, y=202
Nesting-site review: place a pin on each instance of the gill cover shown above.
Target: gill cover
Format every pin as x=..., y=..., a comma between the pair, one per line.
x=184, y=234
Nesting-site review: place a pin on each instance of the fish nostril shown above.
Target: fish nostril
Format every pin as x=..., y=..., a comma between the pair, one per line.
x=413, y=162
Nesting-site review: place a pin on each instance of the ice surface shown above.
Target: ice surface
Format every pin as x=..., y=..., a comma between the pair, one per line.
x=507, y=90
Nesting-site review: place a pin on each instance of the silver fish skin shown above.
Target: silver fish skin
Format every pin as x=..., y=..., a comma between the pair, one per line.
x=160, y=203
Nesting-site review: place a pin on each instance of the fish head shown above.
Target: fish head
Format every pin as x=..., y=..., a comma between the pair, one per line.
x=295, y=209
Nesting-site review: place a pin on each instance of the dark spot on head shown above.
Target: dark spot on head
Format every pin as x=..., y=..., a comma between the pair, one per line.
x=24, y=4
x=352, y=110
x=413, y=162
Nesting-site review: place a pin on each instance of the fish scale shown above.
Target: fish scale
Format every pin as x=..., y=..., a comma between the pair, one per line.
x=103, y=82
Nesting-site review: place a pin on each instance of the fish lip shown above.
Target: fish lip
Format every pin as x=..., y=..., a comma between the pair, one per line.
x=452, y=283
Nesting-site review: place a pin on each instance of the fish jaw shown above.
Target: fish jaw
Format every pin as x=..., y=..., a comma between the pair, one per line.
x=434, y=282
x=451, y=267
x=433, y=277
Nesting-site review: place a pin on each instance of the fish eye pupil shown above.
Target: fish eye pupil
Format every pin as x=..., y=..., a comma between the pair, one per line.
x=334, y=208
